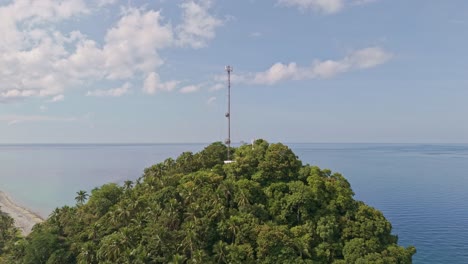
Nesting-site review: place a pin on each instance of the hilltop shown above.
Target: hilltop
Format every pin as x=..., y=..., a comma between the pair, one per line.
x=266, y=207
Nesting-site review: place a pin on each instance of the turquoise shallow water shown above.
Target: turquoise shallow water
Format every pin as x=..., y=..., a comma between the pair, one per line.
x=421, y=189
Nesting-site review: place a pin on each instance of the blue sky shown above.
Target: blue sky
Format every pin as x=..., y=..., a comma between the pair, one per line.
x=74, y=71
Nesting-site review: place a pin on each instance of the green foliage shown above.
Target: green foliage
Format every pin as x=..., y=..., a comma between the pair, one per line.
x=103, y=198
x=81, y=197
x=42, y=246
x=266, y=207
x=8, y=237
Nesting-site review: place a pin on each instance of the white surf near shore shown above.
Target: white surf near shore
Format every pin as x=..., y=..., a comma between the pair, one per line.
x=24, y=219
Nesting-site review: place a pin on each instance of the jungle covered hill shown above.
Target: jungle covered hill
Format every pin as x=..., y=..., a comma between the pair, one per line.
x=266, y=207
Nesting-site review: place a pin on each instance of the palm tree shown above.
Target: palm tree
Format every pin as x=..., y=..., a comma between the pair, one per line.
x=128, y=185
x=177, y=259
x=110, y=249
x=87, y=254
x=55, y=216
x=190, y=239
x=220, y=252
x=81, y=197
x=123, y=214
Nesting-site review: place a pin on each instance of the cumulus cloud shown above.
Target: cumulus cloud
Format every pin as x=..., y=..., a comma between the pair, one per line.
x=134, y=43
x=217, y=87
x=31, y=11
x=153, y=84
x=189, y=89
x=198, y=25
x=320, y=69
x=29, y=49
x=324, y=6
x=115, y=92
x=360, y=59
x=38, y=60
x=16, y=94
x=130, y=47
x=277, y=72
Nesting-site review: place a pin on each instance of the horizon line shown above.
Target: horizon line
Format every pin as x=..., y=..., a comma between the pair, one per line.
x=199, y=143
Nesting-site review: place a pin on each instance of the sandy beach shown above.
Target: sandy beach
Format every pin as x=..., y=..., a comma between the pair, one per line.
x=24, y=218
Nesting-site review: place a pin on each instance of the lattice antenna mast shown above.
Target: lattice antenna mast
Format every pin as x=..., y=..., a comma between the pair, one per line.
x=229, y=69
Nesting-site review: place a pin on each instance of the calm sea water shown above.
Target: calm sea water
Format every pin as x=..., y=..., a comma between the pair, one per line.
x=421, y=189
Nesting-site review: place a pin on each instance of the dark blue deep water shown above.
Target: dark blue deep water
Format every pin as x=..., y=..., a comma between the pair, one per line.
x=421, y=188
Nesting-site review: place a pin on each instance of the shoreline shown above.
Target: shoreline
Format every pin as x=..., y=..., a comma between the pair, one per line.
x=24, y=218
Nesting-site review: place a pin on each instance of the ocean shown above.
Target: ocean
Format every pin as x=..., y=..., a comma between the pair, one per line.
x=422, y=189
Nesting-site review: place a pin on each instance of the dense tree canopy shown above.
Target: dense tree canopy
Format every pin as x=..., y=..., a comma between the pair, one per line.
x=8, y=233
x=266, y=207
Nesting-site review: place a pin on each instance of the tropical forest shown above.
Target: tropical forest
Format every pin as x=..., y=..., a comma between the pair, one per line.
x=264, y=207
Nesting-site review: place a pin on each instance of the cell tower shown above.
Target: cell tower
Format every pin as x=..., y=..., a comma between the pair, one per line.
x=229, y=69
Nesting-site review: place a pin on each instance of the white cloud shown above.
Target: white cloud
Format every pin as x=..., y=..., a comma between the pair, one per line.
x=57, y=98
x=115, y=92
x=16, y=119
x=87, y=61
x=31, y=47
x=106, y=2
x=153, y=83
x=32, y=71
x=211, y=100
x=276, y=73
x=37, y=60
x=189, y=89
x=16, y=94
x=134, y=43
x=324, y=6
x=198, y=24
x=32, y=11
x=360, y=59
x=369, y=57
x=217, y=87
x=130, y=47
